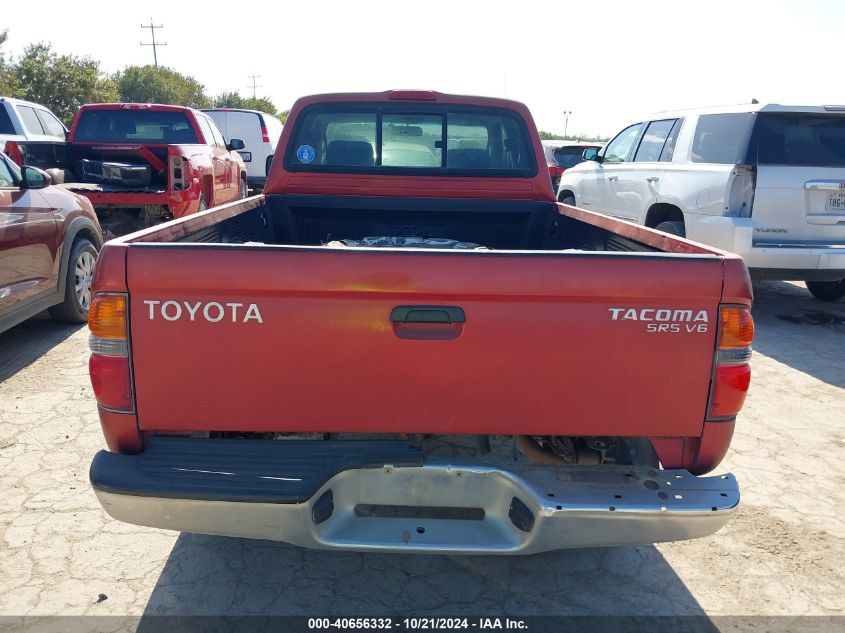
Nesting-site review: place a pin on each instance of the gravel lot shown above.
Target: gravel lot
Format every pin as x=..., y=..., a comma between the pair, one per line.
x=783, y=553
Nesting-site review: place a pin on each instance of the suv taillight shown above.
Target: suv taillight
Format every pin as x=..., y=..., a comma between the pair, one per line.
x=109, y=342
x=732, y=374
x=265, y=138
x=740, y=199
x=554, y=170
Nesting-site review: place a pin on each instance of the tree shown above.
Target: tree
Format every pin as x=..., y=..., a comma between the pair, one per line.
x=8, y=85
x=229, y=100
x=550, y=136
x=60, y=82
x=151, y=84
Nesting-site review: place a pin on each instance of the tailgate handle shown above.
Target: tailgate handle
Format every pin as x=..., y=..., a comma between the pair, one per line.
x=428, y=314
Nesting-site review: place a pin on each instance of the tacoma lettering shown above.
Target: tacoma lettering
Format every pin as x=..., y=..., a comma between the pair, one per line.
x=664, y=320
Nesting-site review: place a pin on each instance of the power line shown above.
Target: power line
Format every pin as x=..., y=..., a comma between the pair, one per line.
x=254, y=85
x=154, y=44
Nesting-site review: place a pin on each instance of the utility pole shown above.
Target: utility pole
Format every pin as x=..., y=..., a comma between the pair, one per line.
x=154, y=44
x=566, y=115
x=254, y=85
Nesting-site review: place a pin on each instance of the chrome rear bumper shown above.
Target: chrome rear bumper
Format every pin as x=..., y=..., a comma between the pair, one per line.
x=460, y=508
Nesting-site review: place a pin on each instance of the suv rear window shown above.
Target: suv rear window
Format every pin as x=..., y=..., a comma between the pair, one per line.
x=401, y=139
x=718, y=138
x=142, y=126
x=570, y=156
x=799, y=139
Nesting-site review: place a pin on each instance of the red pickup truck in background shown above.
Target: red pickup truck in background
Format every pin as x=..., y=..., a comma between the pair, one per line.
x=408, y=345
x=140, y=164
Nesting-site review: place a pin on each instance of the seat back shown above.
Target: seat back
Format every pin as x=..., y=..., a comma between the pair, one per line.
x=355, y=153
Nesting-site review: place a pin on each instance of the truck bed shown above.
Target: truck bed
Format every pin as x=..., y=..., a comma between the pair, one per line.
x=327, y=354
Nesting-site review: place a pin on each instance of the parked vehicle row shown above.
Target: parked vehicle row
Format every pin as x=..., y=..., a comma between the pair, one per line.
x=764, y=181
x=140, y=164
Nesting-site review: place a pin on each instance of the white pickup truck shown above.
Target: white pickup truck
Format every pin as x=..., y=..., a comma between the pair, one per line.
x=764, y=181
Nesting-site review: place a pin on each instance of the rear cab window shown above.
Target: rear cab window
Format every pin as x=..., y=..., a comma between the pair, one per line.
x=392, y=138
x=798, y=139
x=164, y=127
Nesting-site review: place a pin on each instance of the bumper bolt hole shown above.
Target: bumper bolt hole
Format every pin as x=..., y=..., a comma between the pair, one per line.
x=421, y=530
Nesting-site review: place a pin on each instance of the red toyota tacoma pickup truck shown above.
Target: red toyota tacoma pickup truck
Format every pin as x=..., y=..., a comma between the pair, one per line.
x=406, y=344
x=141, y=163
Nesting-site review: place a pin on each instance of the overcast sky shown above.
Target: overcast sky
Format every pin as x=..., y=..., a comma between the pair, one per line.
x=609, y=62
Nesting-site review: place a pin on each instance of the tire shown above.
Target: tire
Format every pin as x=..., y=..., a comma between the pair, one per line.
x=570, y=200
x=80, y=270
x=673, y=227
x=827, y=290
x=244, y=192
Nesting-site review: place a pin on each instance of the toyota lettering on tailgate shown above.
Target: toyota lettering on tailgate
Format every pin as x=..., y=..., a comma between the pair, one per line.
x=664, y=319
x=212, y=311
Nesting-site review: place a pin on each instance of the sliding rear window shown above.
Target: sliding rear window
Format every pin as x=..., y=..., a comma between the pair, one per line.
x=386, y=138
x=799, y=139
x=138, y=126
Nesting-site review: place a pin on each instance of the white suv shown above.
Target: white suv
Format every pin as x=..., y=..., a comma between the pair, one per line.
x=25, y=121
x=764, y=181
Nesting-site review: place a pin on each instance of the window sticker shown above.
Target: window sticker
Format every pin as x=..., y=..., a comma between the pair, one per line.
x=305, y=154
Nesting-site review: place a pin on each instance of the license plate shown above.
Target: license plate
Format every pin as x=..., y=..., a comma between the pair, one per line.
x=835, y=202
x=246, y=156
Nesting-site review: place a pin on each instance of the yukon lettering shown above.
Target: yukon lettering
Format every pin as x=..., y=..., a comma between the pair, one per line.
x=213, y=311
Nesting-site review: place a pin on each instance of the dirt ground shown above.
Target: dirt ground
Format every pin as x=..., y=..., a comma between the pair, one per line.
x=783, y=553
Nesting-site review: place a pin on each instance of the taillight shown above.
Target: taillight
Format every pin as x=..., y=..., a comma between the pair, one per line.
x=740, y=198
x=413, y=95
x=265, y=138
x=109, y=343
x=178, y=167
x=554, y=170
x=732, y=374
x=13, y=151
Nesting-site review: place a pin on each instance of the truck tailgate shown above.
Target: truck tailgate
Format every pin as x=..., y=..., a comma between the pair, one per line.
x=538, y=343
